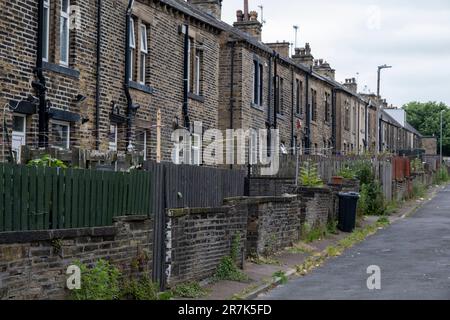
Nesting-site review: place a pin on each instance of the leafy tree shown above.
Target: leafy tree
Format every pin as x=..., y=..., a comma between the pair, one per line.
x=426, y=118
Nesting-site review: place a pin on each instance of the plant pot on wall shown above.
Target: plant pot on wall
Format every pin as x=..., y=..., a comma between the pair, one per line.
x=336, y=180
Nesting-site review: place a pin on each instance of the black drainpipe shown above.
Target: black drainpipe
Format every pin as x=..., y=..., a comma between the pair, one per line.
x=308, y=116
x=269, y=100
x=333, y=120
x=366, y=125
x=293, y=146
x=97, y=93
x=127, y=71
x=187, y=122
x=40, y=84
x=276, y=86
x=233, y=47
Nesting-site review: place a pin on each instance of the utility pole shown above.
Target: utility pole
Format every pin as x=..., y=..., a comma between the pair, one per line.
x=442, y=135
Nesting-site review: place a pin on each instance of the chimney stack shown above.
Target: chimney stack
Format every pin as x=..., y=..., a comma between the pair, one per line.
x=248, y=22
x=304, y=56
x=283, y=48
x=351, y=85
x=323, y=68
x=212, y=7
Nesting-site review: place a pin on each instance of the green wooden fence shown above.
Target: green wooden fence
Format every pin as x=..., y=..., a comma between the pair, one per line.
x=38, y=198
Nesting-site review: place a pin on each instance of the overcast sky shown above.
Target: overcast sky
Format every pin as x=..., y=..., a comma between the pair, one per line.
x=355, y=36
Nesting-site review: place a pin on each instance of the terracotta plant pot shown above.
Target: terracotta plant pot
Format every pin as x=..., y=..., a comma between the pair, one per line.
x=337, y=180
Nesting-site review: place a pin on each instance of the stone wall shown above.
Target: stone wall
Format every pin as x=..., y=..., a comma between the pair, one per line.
x=33, y=264
x=273, y=223
x=319, y=206
x=274, y=187
x=198, y=239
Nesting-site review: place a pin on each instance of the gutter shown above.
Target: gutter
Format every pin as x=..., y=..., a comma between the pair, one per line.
x=40, y=84
x=127, y=71
x=98, y=88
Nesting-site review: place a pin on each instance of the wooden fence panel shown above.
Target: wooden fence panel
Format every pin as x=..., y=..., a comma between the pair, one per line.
x=41, y=198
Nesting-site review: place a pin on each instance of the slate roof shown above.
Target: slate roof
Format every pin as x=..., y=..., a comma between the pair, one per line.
x=200, y=15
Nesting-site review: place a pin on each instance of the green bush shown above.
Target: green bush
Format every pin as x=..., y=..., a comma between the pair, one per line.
x=47, y=161
x=227, y=269
x=418, y=190
x=371, y=200
x=141, y=289
x=101, y=282
x=364, y=172
x=190, y=290
x=417, y=166
x=309, y=176
x=347, y=173
x=441, y=176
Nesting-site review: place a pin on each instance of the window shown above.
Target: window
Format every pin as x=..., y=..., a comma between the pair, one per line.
x=195, y=58
x=45, y=31
x=298, y=97
x=347, y=117
x=141, y=143
x=280, y=95
x=64, y=33
x=197, y=72
x=132, y=46
x=144, y=52
x=61, y=134
x=253, y=147
x=195, y=150
x=18, y=136
x=112, y=137
x=327, y=107
x=313, y=105
x=258, y=77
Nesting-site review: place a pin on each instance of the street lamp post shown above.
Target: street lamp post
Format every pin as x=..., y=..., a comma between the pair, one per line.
x=379, y=104
x=379, y=78
x=441, y=157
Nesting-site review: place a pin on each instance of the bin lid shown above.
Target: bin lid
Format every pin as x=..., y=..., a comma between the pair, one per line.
x=349, y=194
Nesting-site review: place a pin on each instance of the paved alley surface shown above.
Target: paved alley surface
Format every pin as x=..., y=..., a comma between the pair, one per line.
x=413, y=254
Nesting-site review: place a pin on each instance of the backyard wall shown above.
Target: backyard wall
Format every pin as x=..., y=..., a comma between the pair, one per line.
x=270, y=186
x=273, y=223
x=198, y=239
x=33, y=264
x=319, y=206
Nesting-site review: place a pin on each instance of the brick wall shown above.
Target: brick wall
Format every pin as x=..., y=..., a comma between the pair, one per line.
x=197, y=240
x=33, y=264
x=274, y=187
x=319, y=206
x=273, y=223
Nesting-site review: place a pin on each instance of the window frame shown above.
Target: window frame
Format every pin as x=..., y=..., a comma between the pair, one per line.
x=66, y=124
x=46, y=32
x=63, y=15
x=113, y=146
x=196, y=149
x=258, y=83
x=197, y=72
x=132, y=48
x=143, y=32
